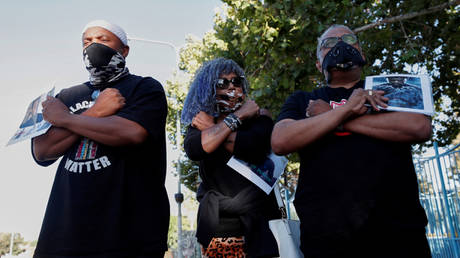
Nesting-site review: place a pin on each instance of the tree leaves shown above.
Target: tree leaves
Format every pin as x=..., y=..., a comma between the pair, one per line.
x=275, y=43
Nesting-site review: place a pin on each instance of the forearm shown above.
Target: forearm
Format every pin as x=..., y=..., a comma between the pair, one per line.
x=214, y=136
x=392, y=126
x=229, y=143
x=291, y=135
x=53, y=143
x=57, y=140
x=111, y=130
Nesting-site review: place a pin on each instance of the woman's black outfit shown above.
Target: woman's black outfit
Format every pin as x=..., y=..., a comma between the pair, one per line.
x=230, y=205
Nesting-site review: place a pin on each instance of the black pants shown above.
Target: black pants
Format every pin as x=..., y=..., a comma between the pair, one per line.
x=369, y=242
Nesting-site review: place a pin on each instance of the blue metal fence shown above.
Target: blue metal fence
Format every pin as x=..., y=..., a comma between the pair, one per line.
x=439, y=185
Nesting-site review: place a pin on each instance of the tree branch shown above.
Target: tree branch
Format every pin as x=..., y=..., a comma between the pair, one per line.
x=407, y=16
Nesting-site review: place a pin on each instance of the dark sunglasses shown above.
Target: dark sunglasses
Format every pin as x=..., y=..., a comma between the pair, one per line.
x=330, y=42
x=224, y=83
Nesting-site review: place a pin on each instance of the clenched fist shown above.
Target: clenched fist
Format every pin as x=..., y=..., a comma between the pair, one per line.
x=108, y=103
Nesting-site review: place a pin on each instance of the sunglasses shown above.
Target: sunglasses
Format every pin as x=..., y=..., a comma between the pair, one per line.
x=223, y=83
x=330, y=42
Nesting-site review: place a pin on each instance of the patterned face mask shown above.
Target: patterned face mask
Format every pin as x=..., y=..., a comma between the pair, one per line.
x=104, y=64
x=229, y=102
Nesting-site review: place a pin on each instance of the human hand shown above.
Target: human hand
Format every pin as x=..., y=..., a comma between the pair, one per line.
x=248, y=110
x=202, y=121
x=54, y=111
x=356, y=101
x=359, y=97
x=316, y=107
x=376, y=99
x=108, y=103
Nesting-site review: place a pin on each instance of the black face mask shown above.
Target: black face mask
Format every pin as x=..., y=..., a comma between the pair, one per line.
x=342, y=57
x=104, y=64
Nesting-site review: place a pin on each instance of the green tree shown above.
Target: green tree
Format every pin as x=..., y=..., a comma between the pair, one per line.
x=275, y=43
x=5, y=242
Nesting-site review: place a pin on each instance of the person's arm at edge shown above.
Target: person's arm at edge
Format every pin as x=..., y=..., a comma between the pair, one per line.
x=392, y=126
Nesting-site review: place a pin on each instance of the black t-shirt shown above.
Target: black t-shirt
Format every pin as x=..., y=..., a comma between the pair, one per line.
x=252, y=144
x=111, y=201
x=348, y=180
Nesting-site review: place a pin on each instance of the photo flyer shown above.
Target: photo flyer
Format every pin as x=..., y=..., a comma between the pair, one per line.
x=265, y=175
x=33, y=123
x=409, y=93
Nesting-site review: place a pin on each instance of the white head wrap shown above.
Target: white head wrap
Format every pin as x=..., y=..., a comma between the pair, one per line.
x=115, y=29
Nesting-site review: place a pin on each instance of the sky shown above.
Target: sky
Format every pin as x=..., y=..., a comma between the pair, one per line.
x=41, y=46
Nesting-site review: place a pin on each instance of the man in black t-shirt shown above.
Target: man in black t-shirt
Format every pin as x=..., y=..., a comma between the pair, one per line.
x=108, y=198
x=357, y=194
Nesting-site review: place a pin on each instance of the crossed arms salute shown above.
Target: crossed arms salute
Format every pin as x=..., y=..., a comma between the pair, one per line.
x=215, y=134
x=98, y=123
x=290, y=135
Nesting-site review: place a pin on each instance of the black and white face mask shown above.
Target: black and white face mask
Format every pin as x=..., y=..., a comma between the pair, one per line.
x=104, y=64
x=229, y=102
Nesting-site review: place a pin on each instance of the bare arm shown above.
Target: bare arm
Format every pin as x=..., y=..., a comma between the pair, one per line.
x=57, y=140
x=213, y=135
x=111, y=130
x=290, y=135
x=53, y=144
x=392, y=126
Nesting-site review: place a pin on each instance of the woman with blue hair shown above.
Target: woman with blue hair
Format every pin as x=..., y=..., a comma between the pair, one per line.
x=223, y=122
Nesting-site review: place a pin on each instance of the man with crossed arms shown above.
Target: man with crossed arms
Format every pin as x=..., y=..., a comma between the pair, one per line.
x=108, y=198
x=357, y=193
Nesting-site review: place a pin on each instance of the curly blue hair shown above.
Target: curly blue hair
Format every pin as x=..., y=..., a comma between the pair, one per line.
x=202, y=93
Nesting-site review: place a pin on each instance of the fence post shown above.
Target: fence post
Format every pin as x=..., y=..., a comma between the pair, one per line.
x=446, y=202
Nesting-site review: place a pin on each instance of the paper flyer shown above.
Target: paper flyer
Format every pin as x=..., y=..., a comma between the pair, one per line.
x=33, y=123
x=409, y=93
x=264, y=175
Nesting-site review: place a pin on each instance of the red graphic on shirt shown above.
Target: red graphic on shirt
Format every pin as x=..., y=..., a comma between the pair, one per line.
x=86, y=150
x=334, y=105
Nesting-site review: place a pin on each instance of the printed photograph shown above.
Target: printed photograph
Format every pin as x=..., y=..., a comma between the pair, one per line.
x=409, y=93
x=402, y=91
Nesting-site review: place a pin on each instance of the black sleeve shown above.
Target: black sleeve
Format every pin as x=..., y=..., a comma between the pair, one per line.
x=147, y=106
x=295, y=106
x=252, y=143
x=192, y=145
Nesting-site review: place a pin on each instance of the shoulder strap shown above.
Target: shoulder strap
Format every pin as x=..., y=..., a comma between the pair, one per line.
x=280, y=202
